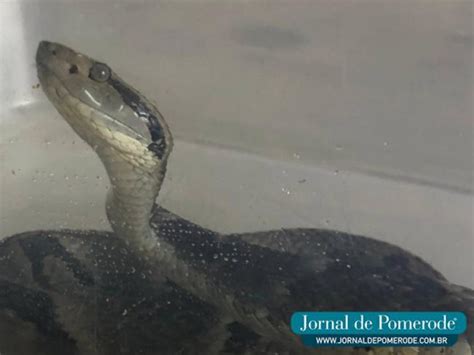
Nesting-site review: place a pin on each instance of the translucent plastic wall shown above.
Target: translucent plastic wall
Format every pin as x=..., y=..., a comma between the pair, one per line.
x=346, y=115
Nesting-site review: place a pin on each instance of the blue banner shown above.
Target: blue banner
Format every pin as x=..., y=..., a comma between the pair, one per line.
x=378, y=323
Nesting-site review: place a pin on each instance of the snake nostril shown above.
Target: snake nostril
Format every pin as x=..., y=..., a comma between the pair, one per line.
x=73, y=69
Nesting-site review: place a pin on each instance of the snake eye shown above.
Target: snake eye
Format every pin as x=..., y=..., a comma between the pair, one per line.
x=99, y=72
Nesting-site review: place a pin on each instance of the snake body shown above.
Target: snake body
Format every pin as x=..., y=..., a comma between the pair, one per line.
x=160, y=284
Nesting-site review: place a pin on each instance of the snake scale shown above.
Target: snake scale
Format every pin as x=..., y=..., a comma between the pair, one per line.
x=160, y=284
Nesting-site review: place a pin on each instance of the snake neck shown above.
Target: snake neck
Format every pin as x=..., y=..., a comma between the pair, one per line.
x=131, y=197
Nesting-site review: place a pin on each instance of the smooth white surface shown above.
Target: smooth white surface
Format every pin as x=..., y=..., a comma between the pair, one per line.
x=344, y=115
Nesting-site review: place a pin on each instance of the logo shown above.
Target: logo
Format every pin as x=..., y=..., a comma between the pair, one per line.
x=362, y=329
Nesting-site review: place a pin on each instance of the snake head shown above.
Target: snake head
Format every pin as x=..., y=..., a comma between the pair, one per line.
x=101, y=107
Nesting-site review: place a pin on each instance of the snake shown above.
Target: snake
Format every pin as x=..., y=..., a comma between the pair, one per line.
x=161, y=284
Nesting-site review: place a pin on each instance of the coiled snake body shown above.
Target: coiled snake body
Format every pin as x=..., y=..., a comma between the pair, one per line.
x=160, y=284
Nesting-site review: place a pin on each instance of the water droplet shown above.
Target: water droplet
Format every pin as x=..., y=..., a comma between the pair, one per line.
x=339, y=148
